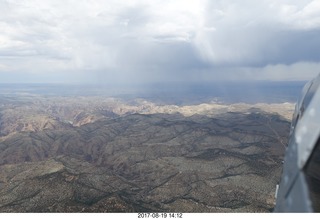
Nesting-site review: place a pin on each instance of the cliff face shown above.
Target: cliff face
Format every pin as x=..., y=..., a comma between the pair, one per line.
x=106, y=155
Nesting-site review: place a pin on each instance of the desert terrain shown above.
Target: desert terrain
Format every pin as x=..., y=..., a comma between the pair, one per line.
x=105, y=154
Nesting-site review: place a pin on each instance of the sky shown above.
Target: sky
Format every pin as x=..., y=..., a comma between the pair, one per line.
x=142, y=41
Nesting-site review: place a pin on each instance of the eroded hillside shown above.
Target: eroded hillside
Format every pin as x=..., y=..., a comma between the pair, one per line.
x=108, y=155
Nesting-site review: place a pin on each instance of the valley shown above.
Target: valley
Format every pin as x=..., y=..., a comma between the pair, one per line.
x=104, y=154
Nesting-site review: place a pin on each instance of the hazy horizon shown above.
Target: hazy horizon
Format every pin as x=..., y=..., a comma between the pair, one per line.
x=171, y=93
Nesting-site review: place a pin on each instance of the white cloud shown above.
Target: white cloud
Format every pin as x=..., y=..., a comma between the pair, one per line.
x=305, y=17
x=256, y=32
x=159, y=40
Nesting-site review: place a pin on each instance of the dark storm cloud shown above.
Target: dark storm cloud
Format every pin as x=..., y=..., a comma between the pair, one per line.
x=260, y=33
x=271, y=48
x=294, y=46
x=160, y=40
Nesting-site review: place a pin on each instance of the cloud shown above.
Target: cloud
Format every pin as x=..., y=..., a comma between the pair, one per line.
x=158, y=40
x=267, y=33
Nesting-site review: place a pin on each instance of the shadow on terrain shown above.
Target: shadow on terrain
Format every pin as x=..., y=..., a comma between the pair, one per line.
x=159, y=162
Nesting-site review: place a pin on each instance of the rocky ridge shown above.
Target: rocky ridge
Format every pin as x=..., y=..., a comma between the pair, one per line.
x=37, y=113
x=139, y=156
